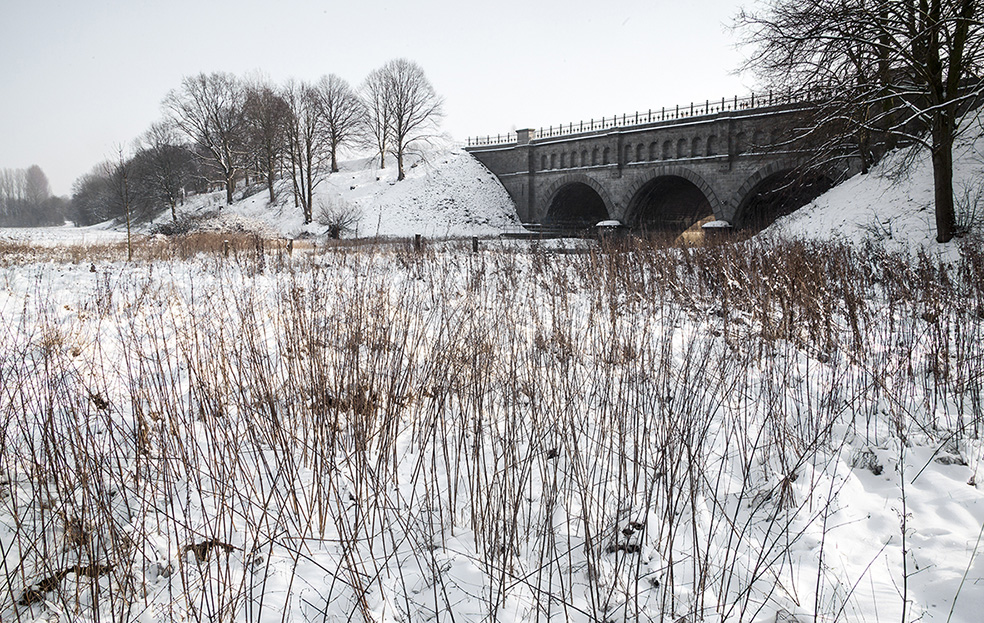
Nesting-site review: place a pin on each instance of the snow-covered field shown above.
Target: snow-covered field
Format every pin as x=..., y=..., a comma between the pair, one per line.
x=739, y=433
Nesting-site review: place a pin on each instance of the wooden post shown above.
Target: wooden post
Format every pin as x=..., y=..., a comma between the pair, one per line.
x=474, y=244
x=416, y=243
x=225, y=248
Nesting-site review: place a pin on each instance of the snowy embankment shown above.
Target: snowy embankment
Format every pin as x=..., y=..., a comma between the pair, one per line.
x=893, y=204
x=446, y=193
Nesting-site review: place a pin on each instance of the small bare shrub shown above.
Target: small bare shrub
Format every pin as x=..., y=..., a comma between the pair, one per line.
x=338, y=215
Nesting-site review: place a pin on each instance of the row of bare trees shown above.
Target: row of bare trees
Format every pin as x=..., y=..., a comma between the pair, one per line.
x=26, y=200
x=221, y=130
x=899, y=71
x=255, y=130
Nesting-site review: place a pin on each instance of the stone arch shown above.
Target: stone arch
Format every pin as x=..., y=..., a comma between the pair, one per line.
x=584, y=157
x=775, y=190
x=563, y=160
x=681, y=148
x=674, y=189
x=667, y=149
x=582, y=209
x=606, y=156
x=573, y=159
x=553, y=161
x=543, y=162
x=711, y=146
x=695, y=147
x=594, y=156
x=638, y=154
x=653, y=151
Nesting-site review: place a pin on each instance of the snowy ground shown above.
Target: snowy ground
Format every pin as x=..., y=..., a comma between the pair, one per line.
x=724, y=434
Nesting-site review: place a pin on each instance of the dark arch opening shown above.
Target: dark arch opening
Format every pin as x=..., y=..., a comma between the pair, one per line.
x=777, y=195
x=576, y=206
x=668, y=204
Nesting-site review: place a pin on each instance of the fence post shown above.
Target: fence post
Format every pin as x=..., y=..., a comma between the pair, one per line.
x=225, y=248
x=474, y=244
x=416, y=243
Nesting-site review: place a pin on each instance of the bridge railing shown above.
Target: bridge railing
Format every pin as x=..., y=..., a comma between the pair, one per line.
x=694, y=109
x=497, y=139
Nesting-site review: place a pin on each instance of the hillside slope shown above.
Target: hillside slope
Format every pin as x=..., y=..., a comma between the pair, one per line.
x=893, y=203
x=446, y=193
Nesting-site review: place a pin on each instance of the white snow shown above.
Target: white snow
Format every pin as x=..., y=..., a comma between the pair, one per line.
x=893, y=203
x=377, y=434
x=446, y=193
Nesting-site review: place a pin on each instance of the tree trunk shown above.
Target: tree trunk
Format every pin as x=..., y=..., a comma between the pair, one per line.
x=230, y=186
x=309, y=195
x=943, y=131
x=334, y=160
x=399, y=165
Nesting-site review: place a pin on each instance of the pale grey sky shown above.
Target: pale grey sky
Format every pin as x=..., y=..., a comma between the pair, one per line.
x=80, y=77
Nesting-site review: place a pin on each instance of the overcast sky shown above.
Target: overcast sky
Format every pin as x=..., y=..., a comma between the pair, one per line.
x=80, y=77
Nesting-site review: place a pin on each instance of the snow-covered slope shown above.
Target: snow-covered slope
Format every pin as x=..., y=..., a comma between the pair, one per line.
x=893, y=203
x=446, y=193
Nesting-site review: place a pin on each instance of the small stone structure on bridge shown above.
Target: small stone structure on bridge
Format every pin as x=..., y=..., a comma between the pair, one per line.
x=732, y=160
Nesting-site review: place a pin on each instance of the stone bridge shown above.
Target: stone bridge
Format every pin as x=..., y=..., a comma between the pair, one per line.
x=732, y=160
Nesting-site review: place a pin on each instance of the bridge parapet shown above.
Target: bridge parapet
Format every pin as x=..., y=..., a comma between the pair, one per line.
x=676, y=113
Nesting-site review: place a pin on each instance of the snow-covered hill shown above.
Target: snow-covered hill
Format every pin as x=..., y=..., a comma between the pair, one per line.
x=893, y=203
x=446, y=193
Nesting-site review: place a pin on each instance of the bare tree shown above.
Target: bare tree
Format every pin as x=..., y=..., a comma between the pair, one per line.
x=375, y=104
x=413, y=107
x=342, y=113
x=36, y=187
x=121, y=187
x=895, y=69
x=210, y=109
x=307, y=141
x=267, y=115
x=163, y=166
